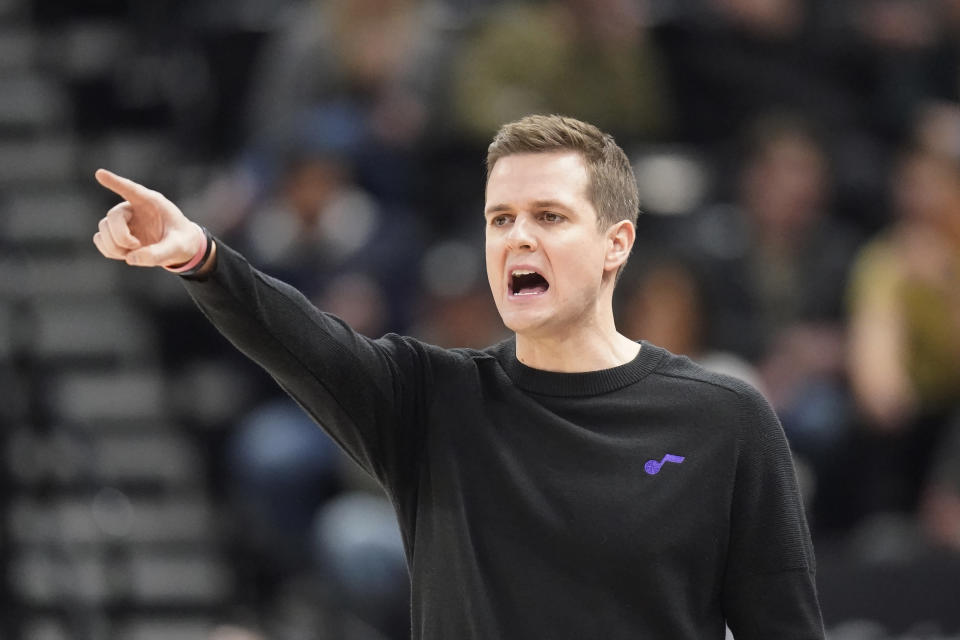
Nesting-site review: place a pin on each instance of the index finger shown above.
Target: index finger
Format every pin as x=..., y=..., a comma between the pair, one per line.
x=123, y=187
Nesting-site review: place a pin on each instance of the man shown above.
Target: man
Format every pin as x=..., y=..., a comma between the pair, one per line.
x=568, y=483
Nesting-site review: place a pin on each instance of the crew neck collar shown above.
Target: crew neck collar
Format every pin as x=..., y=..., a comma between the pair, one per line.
x=586, y=383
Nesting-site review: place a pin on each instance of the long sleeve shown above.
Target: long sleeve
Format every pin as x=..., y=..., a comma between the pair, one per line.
x=769, y=585
x=367, y=394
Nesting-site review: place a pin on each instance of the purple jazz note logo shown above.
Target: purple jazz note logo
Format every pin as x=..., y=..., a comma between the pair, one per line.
x=653, y=467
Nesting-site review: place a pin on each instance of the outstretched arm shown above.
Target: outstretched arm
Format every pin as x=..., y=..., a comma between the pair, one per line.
x=366, y=393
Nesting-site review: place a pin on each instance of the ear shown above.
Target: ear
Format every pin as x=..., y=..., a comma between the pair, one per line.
x=620, y=238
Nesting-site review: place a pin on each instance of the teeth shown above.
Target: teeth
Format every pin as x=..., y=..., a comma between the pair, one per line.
x=522, y=272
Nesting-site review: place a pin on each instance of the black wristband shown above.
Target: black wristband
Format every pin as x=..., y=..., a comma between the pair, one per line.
x=207, y=250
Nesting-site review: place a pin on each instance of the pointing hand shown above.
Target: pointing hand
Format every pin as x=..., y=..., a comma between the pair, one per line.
x=146, y=230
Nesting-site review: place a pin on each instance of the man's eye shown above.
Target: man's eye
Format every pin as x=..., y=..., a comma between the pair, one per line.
x=549, y=216
x=499, y=221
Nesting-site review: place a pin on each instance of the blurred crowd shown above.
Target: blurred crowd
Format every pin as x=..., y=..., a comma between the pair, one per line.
x=799, y=167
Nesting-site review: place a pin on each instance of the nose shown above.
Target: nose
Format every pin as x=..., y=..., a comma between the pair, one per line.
x=522, y=235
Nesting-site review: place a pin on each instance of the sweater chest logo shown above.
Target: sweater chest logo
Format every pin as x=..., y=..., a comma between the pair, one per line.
x=652, y=467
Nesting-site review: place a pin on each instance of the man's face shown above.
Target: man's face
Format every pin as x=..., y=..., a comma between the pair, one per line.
x=545, y=254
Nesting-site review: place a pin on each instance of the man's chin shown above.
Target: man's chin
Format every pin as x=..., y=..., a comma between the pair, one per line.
x=526, y=324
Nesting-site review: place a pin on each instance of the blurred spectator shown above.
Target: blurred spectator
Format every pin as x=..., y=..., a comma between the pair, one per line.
x=773, y=19
x=281, y=467
x=590, y=59
x=666, y=305
x=359, y=550
x=938, y=128
x=732, y=60
x=795, y=251
x=456, y=309
x=463, y=319
x=900, y=45
x=286, y=480
x=897, y=24
x=321, y=232
x=379, y=62
x=905, y=328
x=777, y=280
x=951, y=22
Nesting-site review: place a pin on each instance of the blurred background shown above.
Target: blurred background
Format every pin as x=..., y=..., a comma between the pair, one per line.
x=799, y=170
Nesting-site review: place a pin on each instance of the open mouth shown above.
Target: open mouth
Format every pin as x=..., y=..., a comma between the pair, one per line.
x=527, y=283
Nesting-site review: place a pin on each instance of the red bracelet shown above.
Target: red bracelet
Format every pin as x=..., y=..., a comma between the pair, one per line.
x=203, y=252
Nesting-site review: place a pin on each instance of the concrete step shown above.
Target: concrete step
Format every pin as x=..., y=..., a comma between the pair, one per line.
x=105, y=328
x=51, y=216
x=162, y=628
x=9, y=335
x=31, y=102
x=45, y=628
x=39, y=577
x=185, y=628
x=143, y=579
x=132, y=627
x=90, y=48
x=172, y=578
x=146, y=157
x=46, y=160
x=18, y=48
x=137, y=460
x=110, y=516
x=36, y=278
x=15, y=12
x=207, y=391
x=91, y=396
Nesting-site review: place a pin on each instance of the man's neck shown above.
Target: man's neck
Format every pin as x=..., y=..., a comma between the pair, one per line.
x=573, y=354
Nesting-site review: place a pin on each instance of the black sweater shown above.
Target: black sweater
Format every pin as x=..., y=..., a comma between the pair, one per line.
x=544, y=505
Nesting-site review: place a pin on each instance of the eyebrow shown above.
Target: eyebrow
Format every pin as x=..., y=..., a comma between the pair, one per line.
x=497, y=208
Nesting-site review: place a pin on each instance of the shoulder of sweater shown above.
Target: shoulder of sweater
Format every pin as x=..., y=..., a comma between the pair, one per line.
x=686, y=370
x=740, y=400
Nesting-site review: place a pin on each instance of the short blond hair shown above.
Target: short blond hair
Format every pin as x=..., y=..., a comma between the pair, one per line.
x=612, y=189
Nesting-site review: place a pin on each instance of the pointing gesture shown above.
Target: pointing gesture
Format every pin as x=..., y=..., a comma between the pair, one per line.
x=146, y=229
